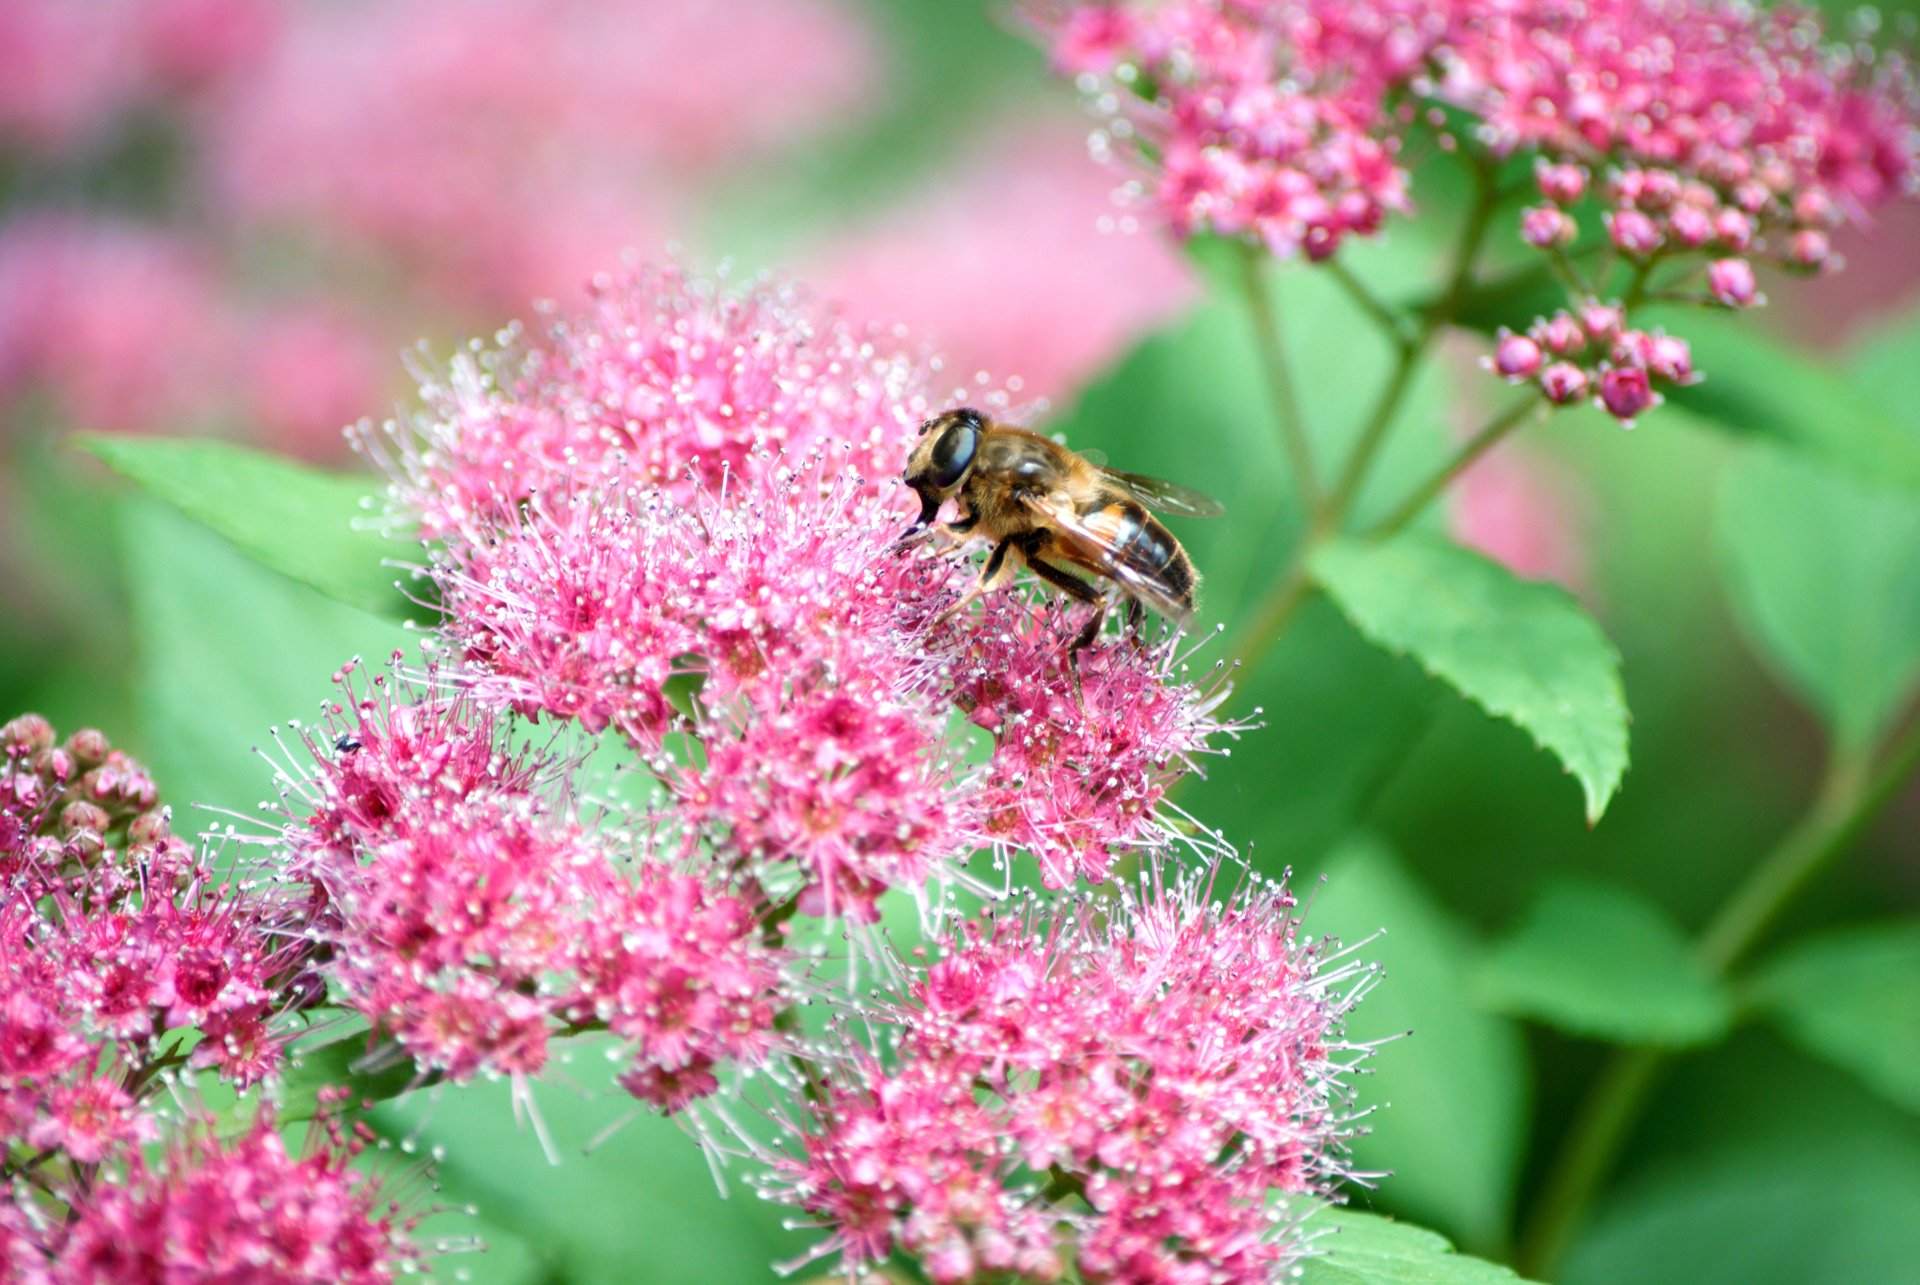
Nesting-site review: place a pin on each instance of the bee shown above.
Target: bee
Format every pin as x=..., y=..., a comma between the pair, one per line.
x=1060, y=513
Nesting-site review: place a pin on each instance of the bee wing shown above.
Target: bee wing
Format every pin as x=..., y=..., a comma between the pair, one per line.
x=1097, y=550
x=1164, y=496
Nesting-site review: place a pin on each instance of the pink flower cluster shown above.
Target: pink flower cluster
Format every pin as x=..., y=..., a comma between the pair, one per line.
x=495, y=150
x=1079, y=773
x=457, y=158
x=469, y=920
x=124, y=959
x=689, y=485
x=76, y=72
x=1594, y=356
x=118, y=326
x=1168, y=1059
x=225, y=1210
x=117, y=939
x=1281, y=118
x=1721, y=133
x=1270, y=121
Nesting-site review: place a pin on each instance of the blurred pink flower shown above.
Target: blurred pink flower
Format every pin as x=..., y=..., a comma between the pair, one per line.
x=1010, y=262
x=75, y=71
x=495, y=149
x=70, y=69
x=121, y=325
x=188, y=46
x=239, y=1208
x=309, y=370
x=1517, y=509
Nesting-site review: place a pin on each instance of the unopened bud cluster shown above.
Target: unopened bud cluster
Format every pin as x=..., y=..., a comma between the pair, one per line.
x=130, y=959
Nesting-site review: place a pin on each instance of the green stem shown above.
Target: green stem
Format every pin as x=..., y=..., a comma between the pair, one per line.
x=1411, y=350
x=1491, y=434
x=1290, y=590
x=1273, y=364
x=1848, y=802
x=1368, y=302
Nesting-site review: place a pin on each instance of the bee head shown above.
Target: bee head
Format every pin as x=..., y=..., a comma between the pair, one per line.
x=941, y=459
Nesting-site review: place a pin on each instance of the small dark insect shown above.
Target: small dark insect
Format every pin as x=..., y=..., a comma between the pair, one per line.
x=1072, y=521
x=347, y=744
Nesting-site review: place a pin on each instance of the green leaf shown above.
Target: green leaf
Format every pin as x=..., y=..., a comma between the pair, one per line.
x=345, y=1063
x=302, y=522
x=1449, y=1099
x=1522, y=651
x=632, y=1201
x=1852, y=998
x=225, y=649
x=1822, y=1214
x=1598, y=961
x=1824, y=574
x=1354, y=1248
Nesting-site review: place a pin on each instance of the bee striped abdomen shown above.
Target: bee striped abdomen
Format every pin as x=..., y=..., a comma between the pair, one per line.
x=1138, y=540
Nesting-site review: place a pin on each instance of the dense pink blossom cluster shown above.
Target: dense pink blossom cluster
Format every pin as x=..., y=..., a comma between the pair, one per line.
x=695, y=485
x=117, y=938
x=124, y=960
x=1081, y=761
x=1679, y=140
x=244, y=1208
x=1167, y=1058
x=471, y=920
x=1270, y=121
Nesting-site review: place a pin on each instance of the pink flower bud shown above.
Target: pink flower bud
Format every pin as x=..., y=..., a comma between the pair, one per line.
x=1546, y=226
x=1733, y=228
x=1628, y=186
x=1752, y=196
x=1563, y=383
x=26, y=733
x=1732, y=283
x=1561, y=335
x=1562, y=183
x=1660, y=190
x=1810, y=248
x=1634, y=232
x=88, y=745
x=1632, y=348
x=1690, y=225
x=1516, y=357
x=1625, y=391
x=55, y=764
x=1602, y=320
x=1815, y=208
x=1669, y=358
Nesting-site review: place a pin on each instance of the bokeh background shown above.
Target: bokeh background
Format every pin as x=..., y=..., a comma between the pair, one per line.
x=235, y=217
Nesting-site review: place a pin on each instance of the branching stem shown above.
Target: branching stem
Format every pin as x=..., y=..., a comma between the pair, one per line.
x=1272, y=355
x=1849, y=800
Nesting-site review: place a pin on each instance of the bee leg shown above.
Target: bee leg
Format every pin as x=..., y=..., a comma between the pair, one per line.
x=1081, y=641
x=999, y=569
x=1136, y=617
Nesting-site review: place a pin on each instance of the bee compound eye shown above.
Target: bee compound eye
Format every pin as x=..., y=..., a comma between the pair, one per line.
x=953, y=453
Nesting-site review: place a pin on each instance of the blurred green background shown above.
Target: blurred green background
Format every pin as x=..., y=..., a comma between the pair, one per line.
x=1758, y=1161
